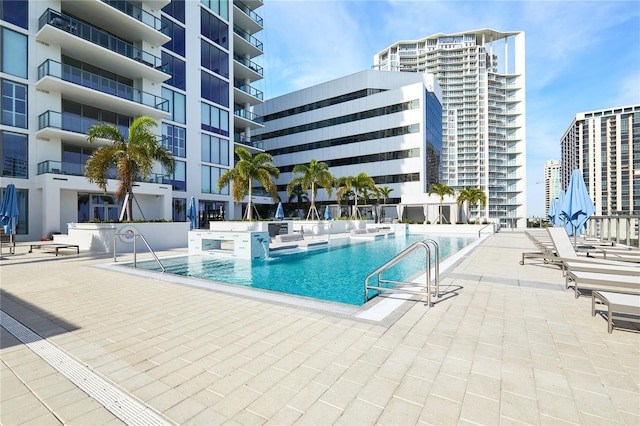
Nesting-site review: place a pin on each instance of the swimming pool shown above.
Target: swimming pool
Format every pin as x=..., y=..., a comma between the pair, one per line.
x=336, y=274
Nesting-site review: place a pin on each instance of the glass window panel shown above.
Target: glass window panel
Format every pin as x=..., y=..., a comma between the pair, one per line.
x=180, y=112
x=13, y=148
x=205, y=179
x=224, y=151
x=14, y=53
x=15, y=12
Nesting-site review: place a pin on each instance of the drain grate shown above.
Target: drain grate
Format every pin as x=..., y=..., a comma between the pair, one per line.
x=123, y=406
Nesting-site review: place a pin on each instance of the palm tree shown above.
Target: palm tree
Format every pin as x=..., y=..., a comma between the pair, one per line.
x=311, y=176
x=472, y=196
x=441, y=189
x=358, y=183
x=300, y=196
x=247, y=169
x=131, y=157
x=384, y=192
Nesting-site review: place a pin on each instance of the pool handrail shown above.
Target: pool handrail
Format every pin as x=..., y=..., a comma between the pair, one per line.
x=135, y=237
x=404, y=253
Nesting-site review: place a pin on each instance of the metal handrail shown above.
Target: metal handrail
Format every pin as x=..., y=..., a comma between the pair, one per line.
x=413, y=247
x=135, y=237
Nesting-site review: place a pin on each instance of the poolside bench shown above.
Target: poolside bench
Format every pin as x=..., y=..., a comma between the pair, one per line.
x=597, y=281
x=55, y=246
x=287, y=238
x=617, y=304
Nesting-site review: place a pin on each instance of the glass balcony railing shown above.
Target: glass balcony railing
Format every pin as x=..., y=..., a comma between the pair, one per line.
x=248, y=89
x=136, y=13
x=100, y=83
x=243, y=113
x=247, y=141
x=99, y=37
x=77, y=169
x=250, y=13
x=245, y=35
x=248, y=63
x=70, y=122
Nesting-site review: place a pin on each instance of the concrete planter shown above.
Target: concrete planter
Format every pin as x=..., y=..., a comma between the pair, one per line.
x=98, y=237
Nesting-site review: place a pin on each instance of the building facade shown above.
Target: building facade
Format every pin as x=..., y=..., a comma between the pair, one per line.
x=387, y=125
x=605, y=146
x=551, y=182
x=66, y=65
x=483, y=92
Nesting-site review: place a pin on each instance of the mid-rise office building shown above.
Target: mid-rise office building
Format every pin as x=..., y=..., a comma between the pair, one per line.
x=68, y=64
x=482, y=76
x=551, y=182
x=605, y=145
x=387, y=125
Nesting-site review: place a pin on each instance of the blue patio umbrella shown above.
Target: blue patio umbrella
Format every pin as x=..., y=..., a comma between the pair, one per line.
x=327, y=213
x=560, y=218
x=192, y=213
x=551, y=214
x=280, y=212
x=577, y=205
x=9, y=210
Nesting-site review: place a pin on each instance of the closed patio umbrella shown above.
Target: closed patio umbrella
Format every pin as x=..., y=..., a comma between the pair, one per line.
x=327, y=213
x=280, y=212
x=577, y=205
x=192, y=213
x=9, y=210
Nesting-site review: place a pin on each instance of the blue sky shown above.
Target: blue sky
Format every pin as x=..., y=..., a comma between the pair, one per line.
x=580, y=55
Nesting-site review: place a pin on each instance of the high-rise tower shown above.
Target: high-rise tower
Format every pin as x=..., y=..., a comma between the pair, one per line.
x=483, y=133
x=68, y=64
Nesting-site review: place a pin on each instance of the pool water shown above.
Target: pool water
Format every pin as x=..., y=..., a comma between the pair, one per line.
x=336, y=274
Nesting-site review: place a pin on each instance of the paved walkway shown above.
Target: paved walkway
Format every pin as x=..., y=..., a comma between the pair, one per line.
x=103, y=347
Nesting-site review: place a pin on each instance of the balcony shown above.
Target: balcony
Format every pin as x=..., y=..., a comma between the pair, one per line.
x=92, y=89
x=246, y=94
x=77, y=169
x=247, y=142
x=246, y=18
x=248, y=70
x=244, y=119
x=97, y=47
x=123, y=18
x=246, y=44
x=71, y=127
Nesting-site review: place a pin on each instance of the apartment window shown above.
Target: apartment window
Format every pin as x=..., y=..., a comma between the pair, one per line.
x=177, y=68
x=177, y=107
x=179, y=210
x=176, y=32
x=14, y=53
x=214, y=59
x=214, y=89
x=179, y=176
x=214, y=119
x=15, y=12
x=214, y=150
x=209, y=180
x=13, y=150
x=14, y=104
x=221, y=7
x=174, y=139
x=214, y=29
x=175, y=9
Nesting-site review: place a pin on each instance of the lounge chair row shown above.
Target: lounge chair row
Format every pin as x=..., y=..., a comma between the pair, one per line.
x=614, y=284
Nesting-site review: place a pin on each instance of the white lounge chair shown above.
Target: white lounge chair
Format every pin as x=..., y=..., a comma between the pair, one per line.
x=603, y=281
x=625, y=307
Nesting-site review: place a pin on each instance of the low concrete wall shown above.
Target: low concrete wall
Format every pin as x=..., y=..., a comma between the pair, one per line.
x=98, y=237
x=240, y=244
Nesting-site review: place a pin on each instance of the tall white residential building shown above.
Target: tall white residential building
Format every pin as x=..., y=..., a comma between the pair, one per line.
x=551, y=182
x=482, y=76
x=387, y=125
x=68, y=64
x=605, y=145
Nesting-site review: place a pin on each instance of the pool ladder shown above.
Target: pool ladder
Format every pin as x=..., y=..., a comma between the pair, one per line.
x=135, y=238
x=426, y=244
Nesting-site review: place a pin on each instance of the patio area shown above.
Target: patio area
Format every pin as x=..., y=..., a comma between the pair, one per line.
x=512, y=346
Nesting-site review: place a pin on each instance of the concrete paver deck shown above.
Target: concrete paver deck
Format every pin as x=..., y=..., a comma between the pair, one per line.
x=512, y=346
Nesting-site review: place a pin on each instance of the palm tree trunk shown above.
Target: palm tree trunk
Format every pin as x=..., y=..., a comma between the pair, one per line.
x=249, y=205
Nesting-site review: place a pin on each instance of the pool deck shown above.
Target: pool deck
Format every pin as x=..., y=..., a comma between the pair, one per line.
x=82, y=344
